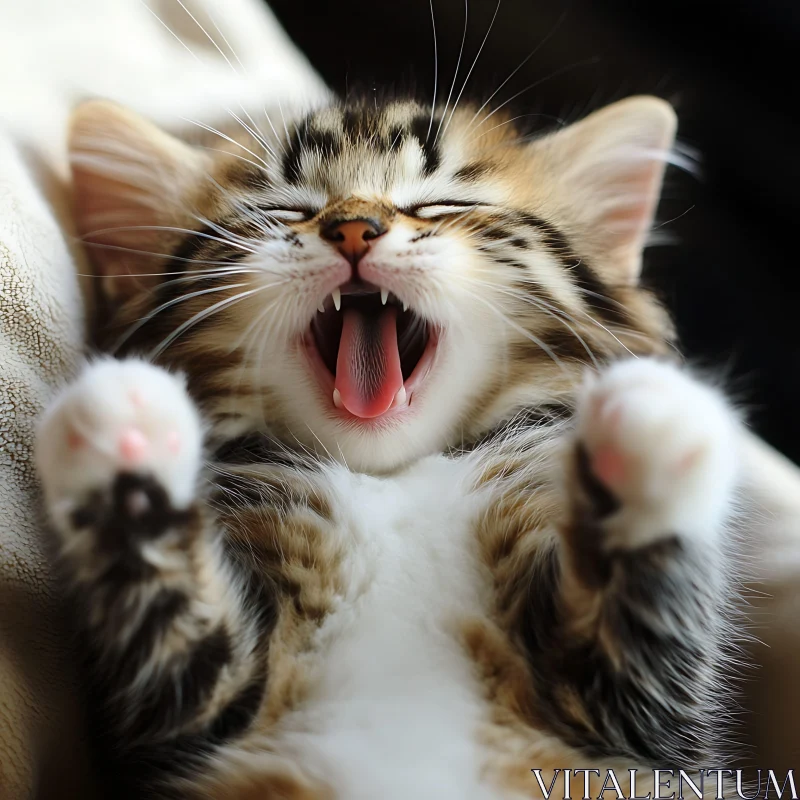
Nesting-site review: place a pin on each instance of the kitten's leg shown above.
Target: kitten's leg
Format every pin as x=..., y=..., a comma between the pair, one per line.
x=175, y=657
x=635, y=642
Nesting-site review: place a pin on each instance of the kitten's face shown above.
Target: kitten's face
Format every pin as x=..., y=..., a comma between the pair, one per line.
x=376, y=283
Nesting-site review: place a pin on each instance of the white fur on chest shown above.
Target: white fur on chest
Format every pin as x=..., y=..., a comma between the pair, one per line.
x=396, y=704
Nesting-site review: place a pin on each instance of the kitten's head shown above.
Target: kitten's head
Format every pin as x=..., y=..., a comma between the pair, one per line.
x=375, y=282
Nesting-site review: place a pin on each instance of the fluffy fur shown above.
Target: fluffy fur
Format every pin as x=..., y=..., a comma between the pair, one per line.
x=524, y=565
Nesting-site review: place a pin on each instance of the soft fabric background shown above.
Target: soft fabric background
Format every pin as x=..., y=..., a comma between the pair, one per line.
x=52, y=54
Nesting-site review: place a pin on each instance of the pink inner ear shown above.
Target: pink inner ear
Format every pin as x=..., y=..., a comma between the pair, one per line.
x=621, y=211
x=131, y=181
x=611, y=166
x=109, y=217
x=637, y=196
x=115, y=226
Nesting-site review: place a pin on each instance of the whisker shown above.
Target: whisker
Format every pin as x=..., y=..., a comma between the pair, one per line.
x=196, y=276
x=560, y=315
x=327, y=452
x=233, y=155
x=254, y=132
x=199, y=317
x=260, y=318
x=275, y=133
x=450, y=221
x=258, y=328
x=169, y=256
x=674, y=219
x=435, y=71
x=266, y=228
x=560, y=121
x=552, y=311
x=147, y=317
x=226, y=233
x=554, y=74
x=192, y=275
x=285, y=126
x=455, y=75
x=604, y=298
x=227, y=138
x=225, y=39
x=264, y=225
x=625, y=331
x=207, y=34
x=527, y=334
x=598, y=324
x=227, y=60
x=466, y=80
x=521, y=65
x=175, y=35
x=171, y=229
x=282, y=311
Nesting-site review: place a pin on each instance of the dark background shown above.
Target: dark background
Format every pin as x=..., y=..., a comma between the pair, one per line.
x=731, y=274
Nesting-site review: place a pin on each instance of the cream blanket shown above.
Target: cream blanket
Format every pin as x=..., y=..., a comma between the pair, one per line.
x=52, y=53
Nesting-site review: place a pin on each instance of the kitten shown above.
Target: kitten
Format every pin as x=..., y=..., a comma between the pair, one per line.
x=395, y=491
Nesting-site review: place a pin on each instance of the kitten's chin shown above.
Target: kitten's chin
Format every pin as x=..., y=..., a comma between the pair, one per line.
x=444, y=392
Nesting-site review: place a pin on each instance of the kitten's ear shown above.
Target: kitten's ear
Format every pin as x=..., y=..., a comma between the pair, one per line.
x=130, y=179
x=609, y=168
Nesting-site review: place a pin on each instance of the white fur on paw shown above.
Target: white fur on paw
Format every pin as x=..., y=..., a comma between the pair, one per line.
x=118, y=416
x=664, y=445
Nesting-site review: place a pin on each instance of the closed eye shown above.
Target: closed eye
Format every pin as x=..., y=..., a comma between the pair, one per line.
x=287, y=214
x=446, y=208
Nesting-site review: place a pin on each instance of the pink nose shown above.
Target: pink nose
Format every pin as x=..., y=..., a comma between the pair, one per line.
x=353, y=238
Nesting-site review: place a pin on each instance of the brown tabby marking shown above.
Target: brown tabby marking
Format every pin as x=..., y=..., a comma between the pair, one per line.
x=229, y=647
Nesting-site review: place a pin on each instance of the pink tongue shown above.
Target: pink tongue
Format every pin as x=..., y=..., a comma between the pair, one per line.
x=368, y=373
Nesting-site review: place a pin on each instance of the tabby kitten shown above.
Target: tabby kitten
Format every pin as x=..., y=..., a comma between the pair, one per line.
x=395, y=492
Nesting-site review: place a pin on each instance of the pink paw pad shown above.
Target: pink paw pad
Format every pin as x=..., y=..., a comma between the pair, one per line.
x=608, y=465
x=132, y=445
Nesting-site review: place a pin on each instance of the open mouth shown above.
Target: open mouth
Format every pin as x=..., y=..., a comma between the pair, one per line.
x=369, y=350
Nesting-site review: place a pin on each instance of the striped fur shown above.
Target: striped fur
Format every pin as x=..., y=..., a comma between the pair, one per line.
x=240, y=627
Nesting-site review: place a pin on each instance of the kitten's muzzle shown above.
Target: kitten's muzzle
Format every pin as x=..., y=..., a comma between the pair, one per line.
x=352, y=238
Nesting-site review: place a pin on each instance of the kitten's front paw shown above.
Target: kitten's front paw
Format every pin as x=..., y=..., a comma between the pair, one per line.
x=662, y=445
x=124, y=420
